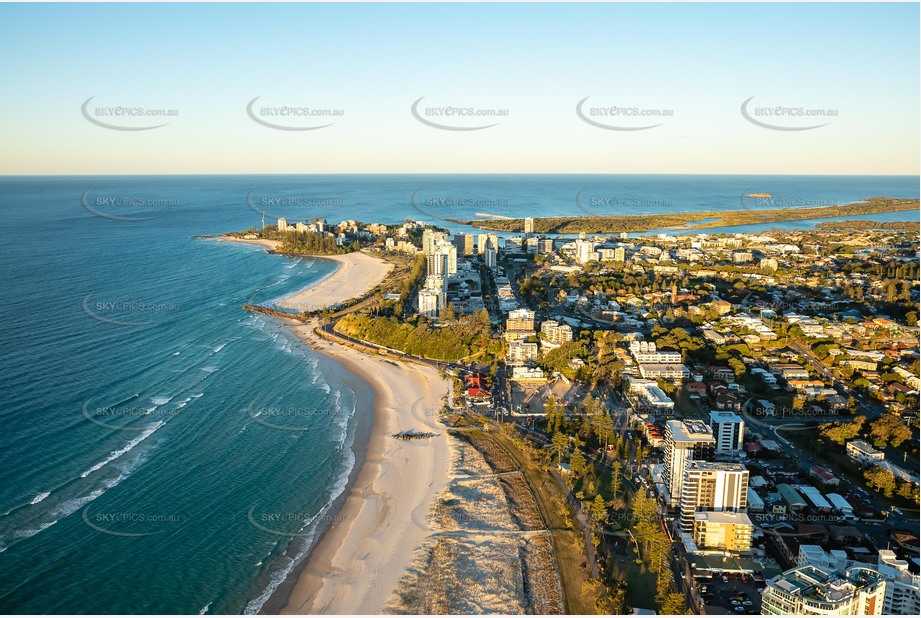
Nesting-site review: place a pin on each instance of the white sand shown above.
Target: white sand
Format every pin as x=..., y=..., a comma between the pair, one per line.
x=357, y=273
x=360, y=561
x=383, y=521
x=268, y=244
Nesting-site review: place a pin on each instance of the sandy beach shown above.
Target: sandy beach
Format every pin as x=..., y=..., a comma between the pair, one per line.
x=268, y=244
x=357, y=273
x=384, y=520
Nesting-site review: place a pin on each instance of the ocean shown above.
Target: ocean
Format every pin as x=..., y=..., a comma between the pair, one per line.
x=163, y=450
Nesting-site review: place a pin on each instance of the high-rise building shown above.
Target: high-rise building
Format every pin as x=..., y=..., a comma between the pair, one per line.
x=519, y=325
x=556, y=333
x=481, y=243
x=490, y=257
x=464, y=243
x=585, y=251
x=712, y=486
x=520, y=319
x=729, y=430
x=811, y=591
x=281, y=225
x=442, y=260
x=431, y=239
x=620, y=254
x=429, y=302
x=521, y=351
x=903, y=588
x=528, y=226
x=725, y=531
x=685, y=441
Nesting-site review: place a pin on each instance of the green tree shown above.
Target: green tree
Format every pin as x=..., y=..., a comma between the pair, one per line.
x=578, y=463
x=675, y=605
x=615, y=478
x=560, y=444
x=554, y=415
x=881, y=480
x=889, y=429
x=842, y=432
x=599, y=510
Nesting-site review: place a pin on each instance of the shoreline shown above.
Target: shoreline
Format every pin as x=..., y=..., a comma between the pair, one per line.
x=372, y=530
x=355, y=274
x=381, y=518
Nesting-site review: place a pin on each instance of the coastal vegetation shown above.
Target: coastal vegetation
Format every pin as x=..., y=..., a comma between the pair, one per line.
x=463, y=337
x=494, y=552
x=602, y=224
x=309, y=243
x=867, y=224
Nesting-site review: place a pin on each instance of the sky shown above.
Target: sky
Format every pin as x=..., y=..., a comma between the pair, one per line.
x=662, y=86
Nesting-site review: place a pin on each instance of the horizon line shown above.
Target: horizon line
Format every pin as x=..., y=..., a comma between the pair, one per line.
x=45, y=175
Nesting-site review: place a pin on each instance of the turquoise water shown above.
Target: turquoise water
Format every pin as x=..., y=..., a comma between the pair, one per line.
x=164, y=451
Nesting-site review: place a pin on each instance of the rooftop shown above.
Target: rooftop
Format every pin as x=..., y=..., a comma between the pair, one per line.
x=716, y=466
x=690, y=431
x=724, y=416
x=724, y=517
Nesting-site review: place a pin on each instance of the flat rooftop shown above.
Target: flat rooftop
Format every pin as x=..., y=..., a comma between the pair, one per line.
x=724, y=517
x=724, y=416
x=690, y=431
x=716, y=466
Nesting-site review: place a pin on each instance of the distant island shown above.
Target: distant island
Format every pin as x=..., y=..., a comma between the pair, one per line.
x=692, y=220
